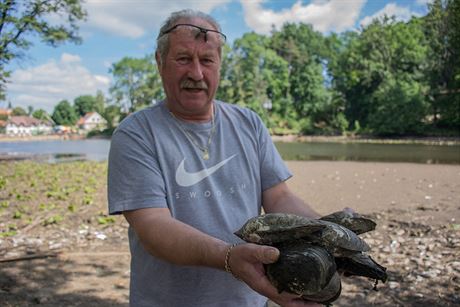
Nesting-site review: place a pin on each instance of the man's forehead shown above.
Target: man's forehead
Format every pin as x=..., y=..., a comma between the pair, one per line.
x=182, y=48
x=189, y=35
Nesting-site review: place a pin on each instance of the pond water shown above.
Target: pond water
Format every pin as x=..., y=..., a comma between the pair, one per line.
x=56, y=150
x=97, y=150
x=413, y=153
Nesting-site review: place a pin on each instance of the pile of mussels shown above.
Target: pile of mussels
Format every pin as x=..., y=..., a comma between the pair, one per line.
x=314, y=253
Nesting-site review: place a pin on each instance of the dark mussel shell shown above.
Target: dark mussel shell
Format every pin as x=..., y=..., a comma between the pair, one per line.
x=351, y=220
x=301, y=269
x=274, y=228
x=329, y=293
x=339, y=240
x=360, y=264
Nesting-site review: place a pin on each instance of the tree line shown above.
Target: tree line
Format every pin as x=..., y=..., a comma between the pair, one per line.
x=388, y=78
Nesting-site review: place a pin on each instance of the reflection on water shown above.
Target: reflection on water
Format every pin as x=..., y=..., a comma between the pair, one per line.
x=47, y=158
x=414, y=153
x=97, y=150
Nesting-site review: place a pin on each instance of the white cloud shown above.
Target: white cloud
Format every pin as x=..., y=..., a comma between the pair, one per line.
x=423, y=2
x=333, y=15
x=391, y=9
x=43, y=86
x=133, y=19
x=70, y=58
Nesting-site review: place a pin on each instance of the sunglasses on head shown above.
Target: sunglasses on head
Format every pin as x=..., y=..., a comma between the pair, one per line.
x=219, y=35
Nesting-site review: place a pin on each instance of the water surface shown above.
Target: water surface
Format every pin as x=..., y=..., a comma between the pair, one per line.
x=97, y=150
x=57, y=150
x=414, y=153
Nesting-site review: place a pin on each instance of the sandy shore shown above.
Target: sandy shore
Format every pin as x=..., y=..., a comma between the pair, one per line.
x=376, y=187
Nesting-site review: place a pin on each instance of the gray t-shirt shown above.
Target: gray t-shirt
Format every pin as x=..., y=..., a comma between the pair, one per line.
x=153, y=163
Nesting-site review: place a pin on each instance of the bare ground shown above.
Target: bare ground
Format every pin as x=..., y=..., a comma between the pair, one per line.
x=417, y=208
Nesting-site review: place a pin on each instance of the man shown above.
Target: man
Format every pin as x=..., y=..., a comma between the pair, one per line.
x=190, y=171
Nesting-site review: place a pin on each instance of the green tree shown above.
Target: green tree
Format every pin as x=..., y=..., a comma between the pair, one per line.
x=225, y=90
x=18, y=111
x=305, y=52
x=137, y=83
x=21, y=20
x=64, y=114
x=380, y=74
x=112, y=115
x=41, y=114
x=255, y=76
x=441, y=26
x=84, y=104
x=100, y=102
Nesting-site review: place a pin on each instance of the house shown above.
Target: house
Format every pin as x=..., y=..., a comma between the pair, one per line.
x=92, y=121
x=26, y=125
x=5, y=113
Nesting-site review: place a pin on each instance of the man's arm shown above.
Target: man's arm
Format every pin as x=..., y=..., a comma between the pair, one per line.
x=178, y=243
x=174, y=241
x=280, y=198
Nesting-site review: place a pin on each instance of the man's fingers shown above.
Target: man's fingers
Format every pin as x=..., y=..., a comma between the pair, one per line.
x=267, y=255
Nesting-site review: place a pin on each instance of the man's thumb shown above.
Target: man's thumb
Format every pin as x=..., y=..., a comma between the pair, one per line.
x=268, y=255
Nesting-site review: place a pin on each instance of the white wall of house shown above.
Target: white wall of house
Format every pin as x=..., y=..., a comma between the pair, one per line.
x=95, y=121
x=21, y=130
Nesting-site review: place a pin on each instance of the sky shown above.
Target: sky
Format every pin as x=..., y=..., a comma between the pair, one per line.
x=128, y=28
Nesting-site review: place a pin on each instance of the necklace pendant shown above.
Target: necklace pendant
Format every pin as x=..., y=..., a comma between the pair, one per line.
x=205, y=155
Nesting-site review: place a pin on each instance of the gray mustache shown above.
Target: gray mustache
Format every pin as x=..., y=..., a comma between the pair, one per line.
x=194, y=85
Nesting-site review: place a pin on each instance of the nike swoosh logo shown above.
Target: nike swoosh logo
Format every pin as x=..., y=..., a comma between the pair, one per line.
x=186, y=179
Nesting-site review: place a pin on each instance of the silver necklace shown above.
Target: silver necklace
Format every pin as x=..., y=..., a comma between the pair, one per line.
x=204, y=150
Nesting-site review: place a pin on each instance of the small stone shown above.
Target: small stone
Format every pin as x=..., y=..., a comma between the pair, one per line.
x=393, y=285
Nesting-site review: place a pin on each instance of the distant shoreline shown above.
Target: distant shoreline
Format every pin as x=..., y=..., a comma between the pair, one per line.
x=449, y=141
x=365, y=139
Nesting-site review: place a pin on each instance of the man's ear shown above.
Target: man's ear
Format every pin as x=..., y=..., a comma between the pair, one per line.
x=158, y=59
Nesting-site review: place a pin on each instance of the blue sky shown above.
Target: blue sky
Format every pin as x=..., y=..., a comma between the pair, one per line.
x=118, y=28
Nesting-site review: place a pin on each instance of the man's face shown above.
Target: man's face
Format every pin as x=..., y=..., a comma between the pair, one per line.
x=191, y=69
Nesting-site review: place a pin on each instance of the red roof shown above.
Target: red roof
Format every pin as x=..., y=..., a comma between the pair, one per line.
x=5, y=111
x=25, y=121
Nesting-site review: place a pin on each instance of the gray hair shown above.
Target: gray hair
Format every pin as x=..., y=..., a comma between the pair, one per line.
x=163, y=40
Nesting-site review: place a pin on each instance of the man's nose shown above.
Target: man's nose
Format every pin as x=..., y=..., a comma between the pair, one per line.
x=195, y=71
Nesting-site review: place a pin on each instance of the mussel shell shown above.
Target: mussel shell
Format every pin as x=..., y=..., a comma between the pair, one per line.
x=329, y=293
x=360, y=264
x=351, y=220
x=273, y=228
x=338, y=239
x=301, y=269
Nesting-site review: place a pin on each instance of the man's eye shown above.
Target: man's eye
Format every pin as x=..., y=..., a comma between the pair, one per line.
x=207, y=61
x=183, y=60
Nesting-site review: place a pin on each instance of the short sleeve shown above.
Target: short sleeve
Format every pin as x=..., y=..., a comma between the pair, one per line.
x=273, y=170
x=134, y=178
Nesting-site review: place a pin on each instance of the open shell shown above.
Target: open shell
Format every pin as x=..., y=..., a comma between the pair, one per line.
x=313, y=251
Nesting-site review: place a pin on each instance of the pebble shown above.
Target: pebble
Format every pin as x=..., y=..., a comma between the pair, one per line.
x=393, y=284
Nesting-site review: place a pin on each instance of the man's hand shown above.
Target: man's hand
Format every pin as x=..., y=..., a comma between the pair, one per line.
x=247, y=263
